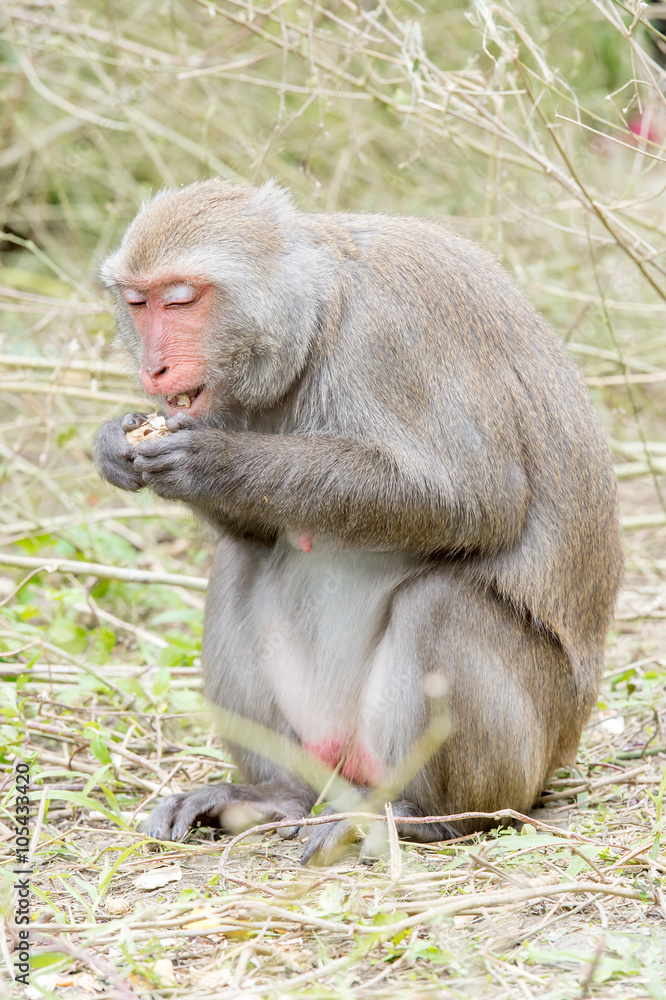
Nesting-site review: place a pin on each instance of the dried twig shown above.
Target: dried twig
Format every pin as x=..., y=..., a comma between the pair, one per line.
x=51, y=565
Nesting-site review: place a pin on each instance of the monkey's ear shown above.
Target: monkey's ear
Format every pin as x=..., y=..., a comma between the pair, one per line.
x=107, y=269
x=274, y=199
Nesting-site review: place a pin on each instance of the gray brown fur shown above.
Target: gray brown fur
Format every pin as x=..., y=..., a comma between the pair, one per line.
x=383, y=386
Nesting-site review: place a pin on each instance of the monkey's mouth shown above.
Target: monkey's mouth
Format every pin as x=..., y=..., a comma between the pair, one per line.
x=183, y=400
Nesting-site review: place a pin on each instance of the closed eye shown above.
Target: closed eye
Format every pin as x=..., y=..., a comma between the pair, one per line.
x=171, y=305
x=133, y=298
x=180, y=294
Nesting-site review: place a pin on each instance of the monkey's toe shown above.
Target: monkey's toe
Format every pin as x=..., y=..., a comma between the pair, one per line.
x=287, y=832
x=174, y=817
x=326, y=843
x=163, y=824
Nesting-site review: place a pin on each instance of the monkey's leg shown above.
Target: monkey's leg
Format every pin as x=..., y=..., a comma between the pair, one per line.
x=235, y=680
x=510, y=697
x=227, y=807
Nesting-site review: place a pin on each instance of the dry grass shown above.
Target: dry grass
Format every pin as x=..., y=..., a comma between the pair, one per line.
x=515, y=123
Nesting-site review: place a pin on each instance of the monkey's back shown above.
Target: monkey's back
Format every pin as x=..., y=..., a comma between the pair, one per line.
x=429, y=327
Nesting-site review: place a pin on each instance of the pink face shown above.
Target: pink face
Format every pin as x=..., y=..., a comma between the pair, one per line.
x=171, y=318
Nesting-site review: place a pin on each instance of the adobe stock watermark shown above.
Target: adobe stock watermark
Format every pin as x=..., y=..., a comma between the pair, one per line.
x=23, y=871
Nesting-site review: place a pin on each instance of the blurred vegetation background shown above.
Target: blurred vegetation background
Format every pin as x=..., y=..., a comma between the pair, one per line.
x=535, y=127
x=517, y=123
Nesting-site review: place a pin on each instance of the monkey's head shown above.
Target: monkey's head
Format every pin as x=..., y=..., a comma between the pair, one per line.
x=218, y=289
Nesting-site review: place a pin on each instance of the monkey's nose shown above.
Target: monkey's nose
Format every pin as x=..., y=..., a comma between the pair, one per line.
x=152, y=376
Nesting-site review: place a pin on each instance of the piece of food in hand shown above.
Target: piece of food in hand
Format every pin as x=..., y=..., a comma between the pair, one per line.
x=154, y=426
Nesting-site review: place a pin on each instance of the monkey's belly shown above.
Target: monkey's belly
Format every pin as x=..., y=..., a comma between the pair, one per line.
x=293, y=639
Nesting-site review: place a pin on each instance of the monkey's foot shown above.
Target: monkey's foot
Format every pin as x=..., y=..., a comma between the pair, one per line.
x=228, y=807
x=326, y=843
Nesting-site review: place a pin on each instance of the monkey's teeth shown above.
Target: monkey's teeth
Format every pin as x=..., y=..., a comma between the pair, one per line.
x=184, y=399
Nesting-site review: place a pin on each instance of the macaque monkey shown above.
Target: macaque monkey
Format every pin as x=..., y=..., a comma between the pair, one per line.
x=411, y=487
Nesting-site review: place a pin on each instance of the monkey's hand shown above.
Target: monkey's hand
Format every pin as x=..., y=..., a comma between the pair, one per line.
x=174, y=466
x=229, y=807
x=188, y=464
x=114, y=456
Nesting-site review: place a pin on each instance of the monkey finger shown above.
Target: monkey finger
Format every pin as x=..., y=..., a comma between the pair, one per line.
x=112, y=442
x=165, y=445
x=114, y=457
x=133, y=420
x=375, y=844
x=174, y=461
x=152, y=449
x=169, y=483
x=162, y=819
x=146, y=463
x=181, y=421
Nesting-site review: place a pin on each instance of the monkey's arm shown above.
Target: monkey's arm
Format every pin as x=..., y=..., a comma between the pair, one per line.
x=360, y=493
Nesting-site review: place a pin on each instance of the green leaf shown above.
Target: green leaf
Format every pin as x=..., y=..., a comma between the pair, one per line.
x=43, y=959
x=575, y=865
x=186, y=701
x=161, y=682
x=66, y=435
x=99, y=749
x=130, y=685
x=68, y=635
x=77, y=798
x=332, y=898
x=108, y=873
x=104, y=642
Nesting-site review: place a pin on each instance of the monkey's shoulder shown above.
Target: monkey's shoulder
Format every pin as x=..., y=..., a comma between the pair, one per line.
x=378, y=231
x=425, y=260
x=415, y=285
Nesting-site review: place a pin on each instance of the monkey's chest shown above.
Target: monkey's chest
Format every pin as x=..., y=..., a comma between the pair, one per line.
x=302, y=636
